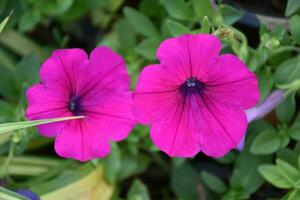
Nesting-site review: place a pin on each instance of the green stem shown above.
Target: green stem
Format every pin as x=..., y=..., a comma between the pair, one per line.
x=8, y=160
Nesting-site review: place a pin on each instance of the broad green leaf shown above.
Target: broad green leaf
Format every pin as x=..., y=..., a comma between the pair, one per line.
x=176, y=28
x=27, y=70
x=126, y=36
x=292, y=7
x=288, y=71
x=213, y=182
x=140, y=22
x=288, y=155
x=178, y=9
x=286, y=109
x=112, y=164
x=288, y=171
x=203, y=8
x=295, y=28
x=6, y=194
x=230, y=15
x=138, y=191
x=28, y=20
x=184, y=182
x=266, y=142
x=245, y=175
x=3, y=23
x=147, y=48
x=9, y=127
x=273, y=175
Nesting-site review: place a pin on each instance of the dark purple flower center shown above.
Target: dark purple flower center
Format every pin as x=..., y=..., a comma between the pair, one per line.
x=192, y=86
x=74, y=105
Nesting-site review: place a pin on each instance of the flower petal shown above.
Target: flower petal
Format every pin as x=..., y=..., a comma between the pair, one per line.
x=154, y=88
x=113, y=116
x=45, y=104
x=81, y=140
x=224, y=127
x=105, y=71
x=230, y=82
x=62, y=68
x=186, y=55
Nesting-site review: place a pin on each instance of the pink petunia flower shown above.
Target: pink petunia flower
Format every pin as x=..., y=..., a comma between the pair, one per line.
x=195, y=98
x=74, y=85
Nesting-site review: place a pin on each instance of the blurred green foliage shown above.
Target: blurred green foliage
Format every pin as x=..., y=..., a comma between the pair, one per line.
x=135, y=29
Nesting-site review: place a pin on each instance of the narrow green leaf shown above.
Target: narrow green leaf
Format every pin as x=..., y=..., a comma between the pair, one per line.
x=292, y=7
x=6, y=194
x=178, y=9
x=138, y=191
x=266, y=143
x=273, y=175
x=205, y=25
x=295, y=28
x=3, y=23
x=140, y=22
x=8, y=127
x=176, y=28
x=213, y=182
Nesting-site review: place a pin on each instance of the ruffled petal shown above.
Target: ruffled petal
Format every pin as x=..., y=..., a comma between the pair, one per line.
x=230, y=82
x=81, y=140
x=45, y=104
x=224, y=127
x=186, y=55
x=105, y=71
x=113, y=116
x=155, y=88
x=62, y=68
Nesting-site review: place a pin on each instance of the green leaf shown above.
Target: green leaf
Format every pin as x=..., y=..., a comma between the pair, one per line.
x=138, y=191
x=274, y=176
x=265, y=83
x=230, y=14
x=294, y=131
x=140, y=23
x=213, y=182
x=245, y=175
x=295, y=28
x=288, y=171
x=288, y=71
x=3, y=23
x=203, y=8
x=6, y=194
x=184, y=182
x=126, y=36
x=178, y=9
x=112, y=164
x=294, y=195
x=9, y=127
x=266, y=142
x=28, y=20
x=286, y=109
x=292, y=7
x=177, y=29
x=205, y=25
x=147, y=48
x=114, y=5
x=27, y=70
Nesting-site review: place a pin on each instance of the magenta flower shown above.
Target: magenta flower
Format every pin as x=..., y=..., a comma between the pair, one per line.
x=73, y=85
x=195, y=99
